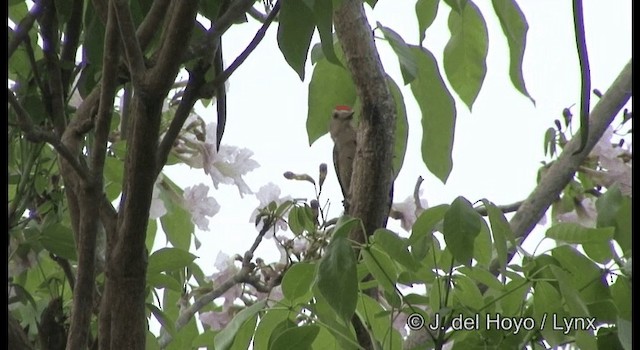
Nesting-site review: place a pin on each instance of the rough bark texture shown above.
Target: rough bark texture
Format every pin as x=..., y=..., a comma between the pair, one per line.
x=371, y=180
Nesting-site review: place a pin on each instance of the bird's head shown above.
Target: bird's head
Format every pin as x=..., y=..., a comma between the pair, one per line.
x=343, y=113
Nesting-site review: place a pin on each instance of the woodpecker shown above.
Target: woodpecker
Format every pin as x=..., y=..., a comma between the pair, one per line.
x=344, y=147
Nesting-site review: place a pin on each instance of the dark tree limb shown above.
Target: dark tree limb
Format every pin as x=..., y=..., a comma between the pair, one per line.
x=371, y=181
x=372, y=175
x=70, y=43
x=90, y=194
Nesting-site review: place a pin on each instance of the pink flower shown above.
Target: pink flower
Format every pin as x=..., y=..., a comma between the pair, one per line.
x=407, y=211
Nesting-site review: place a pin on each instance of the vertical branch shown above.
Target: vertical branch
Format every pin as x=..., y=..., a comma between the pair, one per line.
x=50, y=37
x=585, y=73
x=90, y=195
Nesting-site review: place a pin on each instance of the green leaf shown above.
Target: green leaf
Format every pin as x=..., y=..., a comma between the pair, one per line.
x=483, y=276
x=466, y=52
x=296, y=26
x=623, y=226
x=467, y=293
x=209, y=8
x=514, y=297
x=330, y=86
x=297, y=282
x=461, y=226
x=338, y=268
x=408, y=65
x=165, y=321
x=152, y=228
x=599, y=251
x=608, y=206
x=161, y=281
x=622, y=296
x=550, y=142
x=268, y=323
x=58, y=239
x=515, y=27
x=325, y=340
x=625, y=333
x=573, y=233
x=396, y=247
x=547, y=301
x=438, y=114
x=296, y=338
x=177, y=224
x=169, y=259
x=382, y=268
x=323, y=13
x=570, y=294
x=294, y=221
x=242, y=339
x=426, y=11
x=501, y=231
x=225, y=338
x=482, y=245
x=344, y=226
x=402, y=127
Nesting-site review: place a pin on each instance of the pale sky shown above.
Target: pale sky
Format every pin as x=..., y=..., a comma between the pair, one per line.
x=498, y=147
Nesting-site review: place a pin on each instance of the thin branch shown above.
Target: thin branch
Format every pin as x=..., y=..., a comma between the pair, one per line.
x=221, y=97
x=49, y=32
x=257, y=15
x=22, y=30
x=242, y=276
x=132, y=49
x=35, y=134
x=173, y=45
x=508, y=208
x=208, y=45
x=152, y=21
x=585, y=73
x=564, y=168
x=210, y=88
x=70, y=43
x=189, y=98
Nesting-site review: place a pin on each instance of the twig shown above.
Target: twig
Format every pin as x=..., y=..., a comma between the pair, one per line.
x=35, y=134
x=26, y=24
x=585, y=73
x=132, y=49
x=242, y=276
x=209, y=88
x=508, y=208
x=257, y=15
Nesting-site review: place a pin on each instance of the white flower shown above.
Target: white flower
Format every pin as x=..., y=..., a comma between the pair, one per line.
x=228, y=166
x=199, y=205
x=584, y=214
x=227, y=268
x=407, y=211
x=267, y=194
x=617, y=170
x=157, y=209
x=300, y=245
